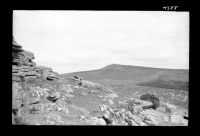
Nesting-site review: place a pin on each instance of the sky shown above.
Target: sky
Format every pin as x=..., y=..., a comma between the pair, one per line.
x=70, y=41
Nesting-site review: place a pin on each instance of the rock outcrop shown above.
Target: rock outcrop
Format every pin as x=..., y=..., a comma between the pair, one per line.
x=23, y=70
x=23, y=67
x=47, y=73
x=41, y=97
x=141, y=113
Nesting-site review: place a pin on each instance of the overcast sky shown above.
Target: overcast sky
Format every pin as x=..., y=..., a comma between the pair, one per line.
x=70, y=41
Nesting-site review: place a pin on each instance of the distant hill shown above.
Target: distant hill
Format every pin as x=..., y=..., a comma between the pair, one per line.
x=138, y=75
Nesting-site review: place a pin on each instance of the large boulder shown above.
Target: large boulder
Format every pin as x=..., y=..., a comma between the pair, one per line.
x=152, y=98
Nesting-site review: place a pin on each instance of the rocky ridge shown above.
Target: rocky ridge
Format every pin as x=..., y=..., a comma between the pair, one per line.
x=41, y=97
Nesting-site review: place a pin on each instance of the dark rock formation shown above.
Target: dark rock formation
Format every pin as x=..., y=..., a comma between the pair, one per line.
x=152, y=98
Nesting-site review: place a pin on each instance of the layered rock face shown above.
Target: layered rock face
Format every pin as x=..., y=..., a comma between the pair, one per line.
x=23, y=67
x=23, y=70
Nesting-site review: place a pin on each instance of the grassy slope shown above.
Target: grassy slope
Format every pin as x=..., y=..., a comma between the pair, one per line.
x=142, y=76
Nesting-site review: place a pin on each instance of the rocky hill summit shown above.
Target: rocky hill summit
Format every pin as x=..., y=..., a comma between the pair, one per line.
x=41, y=96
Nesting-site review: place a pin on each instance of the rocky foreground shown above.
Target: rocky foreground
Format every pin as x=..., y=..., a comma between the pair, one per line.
x=41, y=97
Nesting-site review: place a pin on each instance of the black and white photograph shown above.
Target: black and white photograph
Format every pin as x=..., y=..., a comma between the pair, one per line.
x=100, y=68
